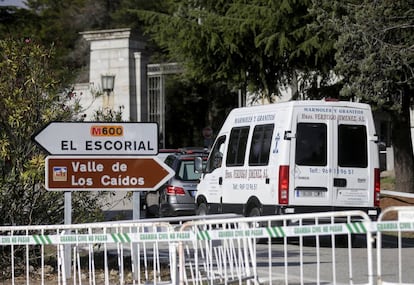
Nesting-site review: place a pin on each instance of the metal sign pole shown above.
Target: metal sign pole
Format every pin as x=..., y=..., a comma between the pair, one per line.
x=68, y=221
x=136, y=205
x=136, y=215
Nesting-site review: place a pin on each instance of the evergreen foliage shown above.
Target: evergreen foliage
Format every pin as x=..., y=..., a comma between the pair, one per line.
x=375, y=59
x=31, y=96
x=258, y=44
x=59, y=23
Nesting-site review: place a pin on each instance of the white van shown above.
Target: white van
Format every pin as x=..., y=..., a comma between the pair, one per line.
x=293, y=157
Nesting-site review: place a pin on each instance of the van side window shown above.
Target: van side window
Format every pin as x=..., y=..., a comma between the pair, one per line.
x=260, y=146
x=311, y=144
x=237, y=146
x=352, y=146
x=216, y=155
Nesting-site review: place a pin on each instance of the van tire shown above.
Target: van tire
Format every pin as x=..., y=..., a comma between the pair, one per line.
x=254, y=212
x=202, y=209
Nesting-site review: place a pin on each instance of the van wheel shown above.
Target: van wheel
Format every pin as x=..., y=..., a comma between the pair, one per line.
x=254, y=212
x=202, y=209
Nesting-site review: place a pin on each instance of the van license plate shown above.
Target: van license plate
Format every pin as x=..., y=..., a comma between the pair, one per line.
x=311, y=193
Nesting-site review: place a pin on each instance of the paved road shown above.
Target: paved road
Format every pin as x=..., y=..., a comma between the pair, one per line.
x=334, y=265
x=302, y=263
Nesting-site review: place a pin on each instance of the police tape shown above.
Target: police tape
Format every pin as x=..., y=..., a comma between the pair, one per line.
x=214, y=234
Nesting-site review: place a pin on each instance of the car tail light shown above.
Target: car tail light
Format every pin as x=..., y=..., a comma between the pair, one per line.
x=284, y=184
x=377, y=187
x=174, y=190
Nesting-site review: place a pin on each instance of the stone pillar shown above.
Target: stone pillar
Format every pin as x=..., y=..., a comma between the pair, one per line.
x=140, y=106
x=112, y=52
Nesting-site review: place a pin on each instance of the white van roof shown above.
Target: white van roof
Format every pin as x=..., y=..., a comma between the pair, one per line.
x=290, y=104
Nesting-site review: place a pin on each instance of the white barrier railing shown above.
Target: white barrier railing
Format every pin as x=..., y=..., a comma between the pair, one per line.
x=121, y=244
x=237, y=240
x=398, y=224
x=317, y=248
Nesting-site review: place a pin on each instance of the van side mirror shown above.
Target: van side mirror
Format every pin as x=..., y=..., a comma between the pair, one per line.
x=198, y=164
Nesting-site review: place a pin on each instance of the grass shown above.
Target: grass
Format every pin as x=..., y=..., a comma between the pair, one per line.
x=388, y=183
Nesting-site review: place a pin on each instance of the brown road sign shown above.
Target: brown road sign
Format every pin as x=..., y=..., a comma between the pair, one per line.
x=71, y=173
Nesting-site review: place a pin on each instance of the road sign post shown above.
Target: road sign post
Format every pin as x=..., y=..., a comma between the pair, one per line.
x=98, y=162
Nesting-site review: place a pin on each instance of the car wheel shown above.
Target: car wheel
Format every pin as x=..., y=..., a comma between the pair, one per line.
x=201, y=209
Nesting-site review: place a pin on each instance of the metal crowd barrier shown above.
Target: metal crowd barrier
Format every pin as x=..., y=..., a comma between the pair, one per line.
x=271, y=250
x=395, y=239
x=120, y=251
x=317, y=248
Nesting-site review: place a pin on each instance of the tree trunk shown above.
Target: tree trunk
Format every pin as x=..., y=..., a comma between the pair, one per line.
x=403, y=149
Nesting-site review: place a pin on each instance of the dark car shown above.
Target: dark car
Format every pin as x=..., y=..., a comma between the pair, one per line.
x=176, y=197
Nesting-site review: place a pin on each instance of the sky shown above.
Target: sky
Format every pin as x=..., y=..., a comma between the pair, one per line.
x=19, y=3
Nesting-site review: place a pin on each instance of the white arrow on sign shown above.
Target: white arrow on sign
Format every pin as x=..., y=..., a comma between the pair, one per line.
x=91, y=138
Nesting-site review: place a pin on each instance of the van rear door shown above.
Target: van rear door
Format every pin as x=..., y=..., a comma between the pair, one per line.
x=329, y=155
x=355, y=159
x=310, y=179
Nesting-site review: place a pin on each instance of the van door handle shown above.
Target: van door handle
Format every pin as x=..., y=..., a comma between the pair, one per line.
x=339, y=182
x=220, y=180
